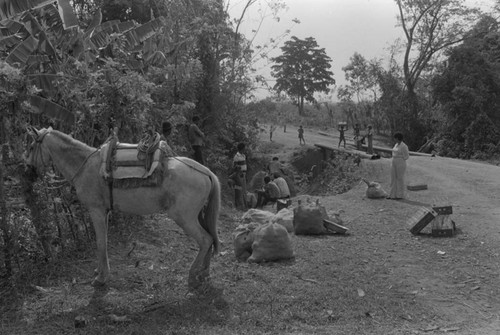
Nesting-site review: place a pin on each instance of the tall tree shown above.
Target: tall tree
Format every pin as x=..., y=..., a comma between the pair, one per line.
x=361, y=76
x=302, y=70
x=430, y=26
x=467, y=90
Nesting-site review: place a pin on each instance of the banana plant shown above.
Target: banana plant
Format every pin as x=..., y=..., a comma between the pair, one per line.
x=28, y=27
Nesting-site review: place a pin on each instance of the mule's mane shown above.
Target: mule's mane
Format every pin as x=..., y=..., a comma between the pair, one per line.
x=69, y=142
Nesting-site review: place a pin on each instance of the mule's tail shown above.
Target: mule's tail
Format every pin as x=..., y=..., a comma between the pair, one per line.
x=212, y=212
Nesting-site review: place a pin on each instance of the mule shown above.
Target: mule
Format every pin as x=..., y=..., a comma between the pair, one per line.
x=189, y=193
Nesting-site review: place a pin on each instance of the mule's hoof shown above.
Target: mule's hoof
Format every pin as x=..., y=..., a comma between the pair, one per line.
x=98, y=283
x=201, y=288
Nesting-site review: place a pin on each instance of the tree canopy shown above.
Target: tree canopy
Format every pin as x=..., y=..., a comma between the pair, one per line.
x=467, y=91
x=302, y=70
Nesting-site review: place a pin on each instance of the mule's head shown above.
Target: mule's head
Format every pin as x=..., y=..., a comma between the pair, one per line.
x=37, y=157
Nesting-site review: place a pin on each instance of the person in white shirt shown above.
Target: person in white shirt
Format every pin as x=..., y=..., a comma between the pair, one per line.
x=282, y=185
x=240, y=170
x=400, y=154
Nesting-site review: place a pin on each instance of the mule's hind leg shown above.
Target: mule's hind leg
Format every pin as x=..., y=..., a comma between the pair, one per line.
x=99, y=220
x=200, y=269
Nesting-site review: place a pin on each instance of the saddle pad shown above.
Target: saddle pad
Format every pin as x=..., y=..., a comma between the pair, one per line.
x=126, y=164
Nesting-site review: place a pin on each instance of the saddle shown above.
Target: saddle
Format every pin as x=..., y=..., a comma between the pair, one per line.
x=125, y=161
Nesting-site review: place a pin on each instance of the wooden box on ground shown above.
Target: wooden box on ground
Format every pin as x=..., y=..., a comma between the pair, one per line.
x=416, y=187
x=443, y=226
x=421, y=219
x=443, y=210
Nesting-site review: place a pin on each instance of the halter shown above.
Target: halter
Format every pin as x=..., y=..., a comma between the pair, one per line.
x=37, y=150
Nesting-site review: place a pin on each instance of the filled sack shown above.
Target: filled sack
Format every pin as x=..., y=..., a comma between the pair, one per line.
x=271, y=243
x=257, y=243
x=308, y=219
x=285, y=218
x=257, y=215
x=251, y=200
x=374, y=190
x=242, y=240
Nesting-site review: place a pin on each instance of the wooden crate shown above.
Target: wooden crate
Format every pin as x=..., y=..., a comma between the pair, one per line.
x=421, y=219
x=416, y=187
x=443, y=210
x=443, y=226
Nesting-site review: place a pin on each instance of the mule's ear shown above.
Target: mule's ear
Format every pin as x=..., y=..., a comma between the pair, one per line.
x=32, y=131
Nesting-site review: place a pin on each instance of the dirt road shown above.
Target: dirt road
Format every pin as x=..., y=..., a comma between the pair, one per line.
x=472, y=256
x=472, y=188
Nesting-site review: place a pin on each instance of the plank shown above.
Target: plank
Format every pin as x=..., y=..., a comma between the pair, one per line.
x=343, y=150
x=335, y=227
x=421, y=219
x=416, y=187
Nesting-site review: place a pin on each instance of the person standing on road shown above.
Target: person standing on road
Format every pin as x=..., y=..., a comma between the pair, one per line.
x=301, y=135
x=400, y=155
x=272, y=128
x=196, y=138
x=357, y=138
x=369, y=137
x=342, y=135
x=240, y=170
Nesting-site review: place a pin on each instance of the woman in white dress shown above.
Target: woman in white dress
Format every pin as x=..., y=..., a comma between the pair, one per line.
x=400, y=154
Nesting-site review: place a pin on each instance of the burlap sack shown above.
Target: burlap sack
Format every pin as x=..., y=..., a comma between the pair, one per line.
x=257, y=215
x=243, y=238
x=271, y=243
x=251, y=200
x=285, y=218
x=308, y=219
x=374, y=190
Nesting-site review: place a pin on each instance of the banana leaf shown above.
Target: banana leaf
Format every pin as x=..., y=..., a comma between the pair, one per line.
x=19, y=55
x=12, y=8
x=44, y=106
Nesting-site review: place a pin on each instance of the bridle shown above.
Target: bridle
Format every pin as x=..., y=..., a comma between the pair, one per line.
x=37, y=151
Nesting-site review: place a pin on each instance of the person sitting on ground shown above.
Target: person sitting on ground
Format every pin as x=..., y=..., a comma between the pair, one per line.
x=275, y=166
x=270, y=192
x=282, y=185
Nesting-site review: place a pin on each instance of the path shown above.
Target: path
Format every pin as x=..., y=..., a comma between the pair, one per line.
x=471, y=187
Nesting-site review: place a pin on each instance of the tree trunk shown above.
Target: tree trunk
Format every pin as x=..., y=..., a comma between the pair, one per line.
x=301, y=105
x=4, y=223
x=37, y=215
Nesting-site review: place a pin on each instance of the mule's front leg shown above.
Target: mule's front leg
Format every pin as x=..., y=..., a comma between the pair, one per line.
x=99, y=219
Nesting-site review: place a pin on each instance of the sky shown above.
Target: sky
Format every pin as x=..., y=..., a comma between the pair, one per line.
x=341, y=27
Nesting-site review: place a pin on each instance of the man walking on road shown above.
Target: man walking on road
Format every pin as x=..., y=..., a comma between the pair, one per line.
x=196, y=138
x=301, y=135
x=342, y=135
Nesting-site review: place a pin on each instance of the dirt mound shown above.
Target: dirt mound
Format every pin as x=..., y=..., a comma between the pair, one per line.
x=305, y=159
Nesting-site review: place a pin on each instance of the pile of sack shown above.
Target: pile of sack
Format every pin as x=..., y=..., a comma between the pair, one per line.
x=264, y=236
